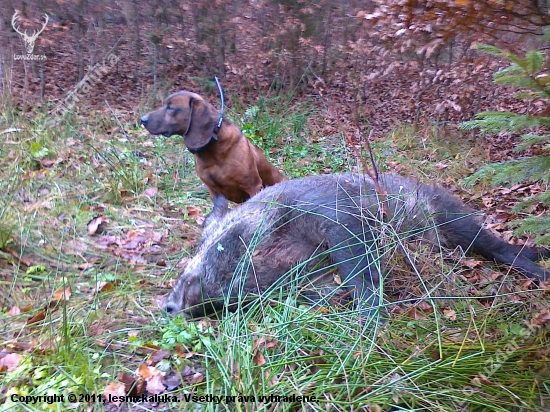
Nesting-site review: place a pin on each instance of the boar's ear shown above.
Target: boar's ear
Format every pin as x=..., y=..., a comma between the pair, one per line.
x=221, y=208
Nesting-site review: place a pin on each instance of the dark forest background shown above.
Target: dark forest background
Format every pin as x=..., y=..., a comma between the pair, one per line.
x=385, y=62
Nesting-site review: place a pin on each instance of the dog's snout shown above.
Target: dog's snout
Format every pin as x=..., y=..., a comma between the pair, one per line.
x=144, y=119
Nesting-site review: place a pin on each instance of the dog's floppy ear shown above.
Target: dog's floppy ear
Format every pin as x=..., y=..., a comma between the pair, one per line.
x=201, y=124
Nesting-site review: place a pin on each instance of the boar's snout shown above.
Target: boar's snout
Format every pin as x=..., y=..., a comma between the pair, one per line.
x=172, y=307
x=174, y=302
x=186, y=293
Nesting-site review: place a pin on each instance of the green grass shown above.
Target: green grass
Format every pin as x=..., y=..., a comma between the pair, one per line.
x=281, y=129
x=54, y=178
x=426, y=154
x=347, y=366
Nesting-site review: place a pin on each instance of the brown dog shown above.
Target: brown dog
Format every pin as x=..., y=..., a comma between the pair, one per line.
x=225, y=160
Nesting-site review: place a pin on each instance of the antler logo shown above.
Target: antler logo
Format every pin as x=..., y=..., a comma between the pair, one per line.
x=29, y=40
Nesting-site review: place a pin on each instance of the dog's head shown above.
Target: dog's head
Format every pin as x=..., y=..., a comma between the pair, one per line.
x=186, y=114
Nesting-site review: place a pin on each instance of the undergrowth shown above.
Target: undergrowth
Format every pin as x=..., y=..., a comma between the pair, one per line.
x=56, y=178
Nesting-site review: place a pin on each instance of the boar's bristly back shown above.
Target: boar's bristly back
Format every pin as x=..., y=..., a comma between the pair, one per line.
x=319, y=223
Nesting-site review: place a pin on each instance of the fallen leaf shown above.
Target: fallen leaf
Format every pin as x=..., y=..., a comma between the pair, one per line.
x=172, y=381
x=527, y=284
x=14, y=311
x=26, y=308
x=264, y=342
x=183, y=354
x=488, y=202
x=95, y=224
x=10, y=361
x=75, y=247
x=495, y=275
x=181, y=264
x=414, y=313
x=62, y=294
x=158, y=356
x=193, y=211
x=151, y=347
x=132, y=386
x=190, y=242
x=449, y=314
x=145, y=371
x=115, y=389
x=20, y=347
x=104, y=242
x=481, y=379
x=155, y=385
x=103, y=287
x=40, y=316
x=471, y=263
x=150, y=191
x=126, y=378
x=425, y=306
x=195, y=379
x=259, y=359
x=541, y=318
x=47, y=162
x=135, y=243
x=472, y=277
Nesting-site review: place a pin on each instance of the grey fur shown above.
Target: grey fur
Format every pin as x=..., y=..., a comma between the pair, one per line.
x=247, y=249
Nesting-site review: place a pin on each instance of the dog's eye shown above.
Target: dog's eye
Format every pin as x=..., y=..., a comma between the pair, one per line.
x=169, y=108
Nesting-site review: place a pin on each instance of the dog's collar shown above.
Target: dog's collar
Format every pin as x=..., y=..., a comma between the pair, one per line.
x=212, y=139
x=219, y=124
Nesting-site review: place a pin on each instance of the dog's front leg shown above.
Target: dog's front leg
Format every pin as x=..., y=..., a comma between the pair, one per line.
x=212, y=192
x=254, y=189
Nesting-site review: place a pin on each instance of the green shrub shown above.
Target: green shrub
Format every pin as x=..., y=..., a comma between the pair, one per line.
x=529, y=74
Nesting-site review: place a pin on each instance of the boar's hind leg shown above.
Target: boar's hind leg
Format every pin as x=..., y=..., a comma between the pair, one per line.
x=353, y=250
x=465, y=230
x=520, y=258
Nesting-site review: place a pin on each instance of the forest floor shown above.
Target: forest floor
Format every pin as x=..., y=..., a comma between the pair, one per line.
x=98, y=218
